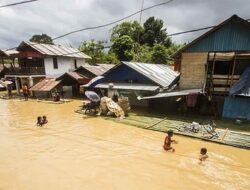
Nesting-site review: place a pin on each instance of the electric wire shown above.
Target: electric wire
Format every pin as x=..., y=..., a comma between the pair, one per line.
x=113, y=22
x=17, y=3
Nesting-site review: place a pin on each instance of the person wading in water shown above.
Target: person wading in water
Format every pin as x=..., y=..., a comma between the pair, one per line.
x=25, y=91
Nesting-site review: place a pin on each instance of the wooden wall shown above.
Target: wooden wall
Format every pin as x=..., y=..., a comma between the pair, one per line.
x=193, y=70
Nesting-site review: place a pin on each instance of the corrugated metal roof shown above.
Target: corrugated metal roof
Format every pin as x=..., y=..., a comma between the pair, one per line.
x=8, y=53
x=55, y=50
x=74, y=75
x=97, y=69
x=128, y=86
x=45, y=85
x=172, y=94
x=230, y=35
x=159, y=73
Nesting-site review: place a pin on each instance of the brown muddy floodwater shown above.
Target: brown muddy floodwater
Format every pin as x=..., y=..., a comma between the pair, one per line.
x=72, y=152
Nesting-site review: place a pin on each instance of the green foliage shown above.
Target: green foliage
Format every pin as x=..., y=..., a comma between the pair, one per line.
x=159, y=54
x=142, y=53
x=110, y=58
x=132, y=29
x=44, y=39
x=173, y=48
x=122, y=47
x=131, y=41
x=94, y=49
x=154, y=33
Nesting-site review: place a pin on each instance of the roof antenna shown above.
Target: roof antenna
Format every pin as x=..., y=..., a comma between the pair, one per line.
x=142, y=5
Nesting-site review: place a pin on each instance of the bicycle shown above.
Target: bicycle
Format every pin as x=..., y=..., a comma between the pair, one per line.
x=205, y=129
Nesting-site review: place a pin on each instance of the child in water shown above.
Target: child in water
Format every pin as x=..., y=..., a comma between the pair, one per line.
x=39, y=121
x=203, y=154
x=168, y=141
x=44, y=120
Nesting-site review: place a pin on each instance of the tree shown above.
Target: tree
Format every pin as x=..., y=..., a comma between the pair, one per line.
x=110, y=58
x=42, y=39
x=122, y=48
x=131, y=29
x=159, y=54
x=174, y=48
x=94, y=49
x=154, y=33
x=142, y=53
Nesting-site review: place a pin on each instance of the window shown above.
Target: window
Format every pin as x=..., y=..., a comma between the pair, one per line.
x=55, y=64
x=75, y=63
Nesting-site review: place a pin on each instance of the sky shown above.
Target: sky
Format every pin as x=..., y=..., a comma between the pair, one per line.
x=56, y=17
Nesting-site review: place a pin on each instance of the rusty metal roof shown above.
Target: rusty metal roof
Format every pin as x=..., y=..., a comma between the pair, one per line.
x=74, y=75
x=45, y=85
x=55, y=50
x=8, y=53
x=159, y=73
x=97, y=69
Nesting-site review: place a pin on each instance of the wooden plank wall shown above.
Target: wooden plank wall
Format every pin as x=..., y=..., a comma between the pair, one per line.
x=193, y=70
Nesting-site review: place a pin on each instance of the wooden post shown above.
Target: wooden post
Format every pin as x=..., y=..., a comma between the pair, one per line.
x=213, y=64
x=206, y=74
x=212, y=73
x=231, y=83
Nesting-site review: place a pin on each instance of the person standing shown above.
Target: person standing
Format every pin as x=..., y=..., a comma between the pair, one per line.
x=25, y=90
x=9, y=90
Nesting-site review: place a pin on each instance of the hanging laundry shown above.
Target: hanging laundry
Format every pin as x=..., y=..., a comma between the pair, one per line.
x=191, y=100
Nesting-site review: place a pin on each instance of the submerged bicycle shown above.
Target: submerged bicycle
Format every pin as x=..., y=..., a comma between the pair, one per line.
x=207, y=130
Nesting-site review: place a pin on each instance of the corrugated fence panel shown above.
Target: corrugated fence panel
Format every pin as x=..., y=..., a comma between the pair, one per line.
x=231, y=37
x=236, y=107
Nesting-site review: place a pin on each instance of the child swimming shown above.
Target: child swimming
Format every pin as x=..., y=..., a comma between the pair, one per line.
x=168, y=141
x=39, y=121
x=44, y=120
x=203, y=154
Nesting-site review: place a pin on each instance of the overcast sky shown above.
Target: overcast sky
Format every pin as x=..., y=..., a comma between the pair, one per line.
x=56, y=17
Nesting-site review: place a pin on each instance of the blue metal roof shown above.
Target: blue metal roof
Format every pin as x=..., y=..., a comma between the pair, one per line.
x=145, y=73
x=231, y=35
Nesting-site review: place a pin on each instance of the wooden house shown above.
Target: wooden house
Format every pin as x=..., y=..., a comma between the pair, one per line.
x=39, y=61
x=215, y=61
x=133, y=80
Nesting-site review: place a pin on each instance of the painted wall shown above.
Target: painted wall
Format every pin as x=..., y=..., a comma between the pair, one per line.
x=124, y=74
x=65, y=64
x=232, y=37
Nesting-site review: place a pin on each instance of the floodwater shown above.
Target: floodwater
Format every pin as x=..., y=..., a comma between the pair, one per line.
x=73, y=152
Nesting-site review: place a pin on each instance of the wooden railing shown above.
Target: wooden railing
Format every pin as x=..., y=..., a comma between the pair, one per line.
x=25, y=71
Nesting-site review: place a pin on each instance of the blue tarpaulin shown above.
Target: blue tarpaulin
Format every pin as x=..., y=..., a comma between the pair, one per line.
x=243, y=85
